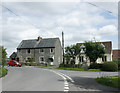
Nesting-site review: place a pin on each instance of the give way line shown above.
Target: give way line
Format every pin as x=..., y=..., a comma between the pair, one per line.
x=65, y=77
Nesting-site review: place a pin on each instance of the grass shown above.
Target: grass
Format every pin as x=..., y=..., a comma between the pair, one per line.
x=3, y=72
x=78, y=69
x=43, y=66
x=74, y=69
x=94, y=70
x=113, y=81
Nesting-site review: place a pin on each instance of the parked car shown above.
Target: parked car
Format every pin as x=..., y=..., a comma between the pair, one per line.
x=14, y=63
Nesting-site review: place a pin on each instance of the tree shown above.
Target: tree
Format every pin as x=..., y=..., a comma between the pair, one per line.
x=72, y=52
x=3, y=54
x=94, y=50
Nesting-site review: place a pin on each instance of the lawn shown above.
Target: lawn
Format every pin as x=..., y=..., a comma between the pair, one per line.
x=94, y=70
x=74, y=69
x=3, y=72
x=113, y=81
x=43, y=66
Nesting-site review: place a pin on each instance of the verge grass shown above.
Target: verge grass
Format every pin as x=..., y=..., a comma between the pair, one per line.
x=113, y=81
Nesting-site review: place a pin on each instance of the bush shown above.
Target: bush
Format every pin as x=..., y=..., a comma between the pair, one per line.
x=30, y=60
x=110, y=66
x=118, y=63
x=95, y=66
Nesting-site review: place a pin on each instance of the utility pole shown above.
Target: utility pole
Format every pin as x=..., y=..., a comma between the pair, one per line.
x=63, y=46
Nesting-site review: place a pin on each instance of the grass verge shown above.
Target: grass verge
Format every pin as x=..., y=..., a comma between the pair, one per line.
x=43, y=66
x=94, y=70
x=3, y=72
x=113, y=81
x=74, y=69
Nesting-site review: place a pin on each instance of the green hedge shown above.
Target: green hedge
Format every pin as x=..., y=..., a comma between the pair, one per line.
x=3, y=72
x=118, y=63
x=95, y=66
x=110, y=66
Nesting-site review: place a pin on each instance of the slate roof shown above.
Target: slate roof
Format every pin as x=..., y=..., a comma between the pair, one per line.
x=13, y=55
x=107, y=44
x=35, y=43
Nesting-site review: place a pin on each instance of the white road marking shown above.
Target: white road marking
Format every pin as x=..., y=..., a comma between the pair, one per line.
x=68, y=77
x=65, y=77
x=66, y=85
x=66, y=88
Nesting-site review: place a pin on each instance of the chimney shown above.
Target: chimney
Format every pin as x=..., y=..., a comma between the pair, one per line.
x=39, y=38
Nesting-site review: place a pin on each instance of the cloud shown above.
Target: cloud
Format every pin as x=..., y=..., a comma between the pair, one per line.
x=108, y=30
x=79, y=21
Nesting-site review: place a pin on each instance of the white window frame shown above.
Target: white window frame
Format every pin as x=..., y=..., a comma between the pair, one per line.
x=27, y=51
x=40, y=51
x=82, y=58
x=51, y=49
x=40, y=59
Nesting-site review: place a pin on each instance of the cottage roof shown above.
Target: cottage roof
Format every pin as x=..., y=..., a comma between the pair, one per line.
x=35, y=43
x=13, y=55
x=107, y=44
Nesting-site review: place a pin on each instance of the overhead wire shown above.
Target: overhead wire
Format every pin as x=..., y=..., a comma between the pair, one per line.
x=101, y=8
x=18, y=15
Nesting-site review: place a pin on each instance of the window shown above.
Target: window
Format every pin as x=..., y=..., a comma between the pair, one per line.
x=51, y=50
x=81, y=58
x=104, y=59
x=28, y=51
x=12, y=61
x=19, y=50
x=41, y=59
x=41, y=50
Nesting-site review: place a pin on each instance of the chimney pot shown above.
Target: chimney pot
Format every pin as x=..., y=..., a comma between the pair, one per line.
x=39, y=38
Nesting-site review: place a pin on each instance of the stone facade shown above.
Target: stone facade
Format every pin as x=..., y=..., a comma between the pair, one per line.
x=47, y=54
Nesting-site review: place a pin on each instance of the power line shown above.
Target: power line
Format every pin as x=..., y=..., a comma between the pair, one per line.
x=101, y=8
x=18, y=15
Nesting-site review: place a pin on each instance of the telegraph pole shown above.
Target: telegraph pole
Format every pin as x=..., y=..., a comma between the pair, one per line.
x=63, y=46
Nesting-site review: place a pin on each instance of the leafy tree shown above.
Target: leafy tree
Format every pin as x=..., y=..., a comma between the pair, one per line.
x=72, y=51
x=3, y=54
x=94, y=50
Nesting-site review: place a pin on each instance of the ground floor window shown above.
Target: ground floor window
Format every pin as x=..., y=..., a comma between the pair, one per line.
x=81, y=58
x=41, y=59
x=104, y=59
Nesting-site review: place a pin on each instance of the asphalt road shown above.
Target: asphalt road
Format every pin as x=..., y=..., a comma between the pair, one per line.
x=38, y=79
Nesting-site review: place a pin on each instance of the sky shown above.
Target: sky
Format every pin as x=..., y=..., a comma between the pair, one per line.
x=80, y=21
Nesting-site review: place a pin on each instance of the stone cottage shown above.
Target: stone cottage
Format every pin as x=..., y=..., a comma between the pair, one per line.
x=107, y=56
x=43, y=50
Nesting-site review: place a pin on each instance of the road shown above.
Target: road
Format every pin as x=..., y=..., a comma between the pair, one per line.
x=39, y=79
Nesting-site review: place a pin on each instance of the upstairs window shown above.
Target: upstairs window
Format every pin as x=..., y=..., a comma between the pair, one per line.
x=51, y=50
x=28, y=51
x=19, y=50
x=41, y=50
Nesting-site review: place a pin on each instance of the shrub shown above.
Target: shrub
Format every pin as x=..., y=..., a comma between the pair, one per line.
x=110, y=66
x=30, y=60
x=118, y=63
x=95, y=66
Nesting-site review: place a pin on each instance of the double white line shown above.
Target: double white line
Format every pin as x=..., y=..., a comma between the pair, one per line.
x=66, y=85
